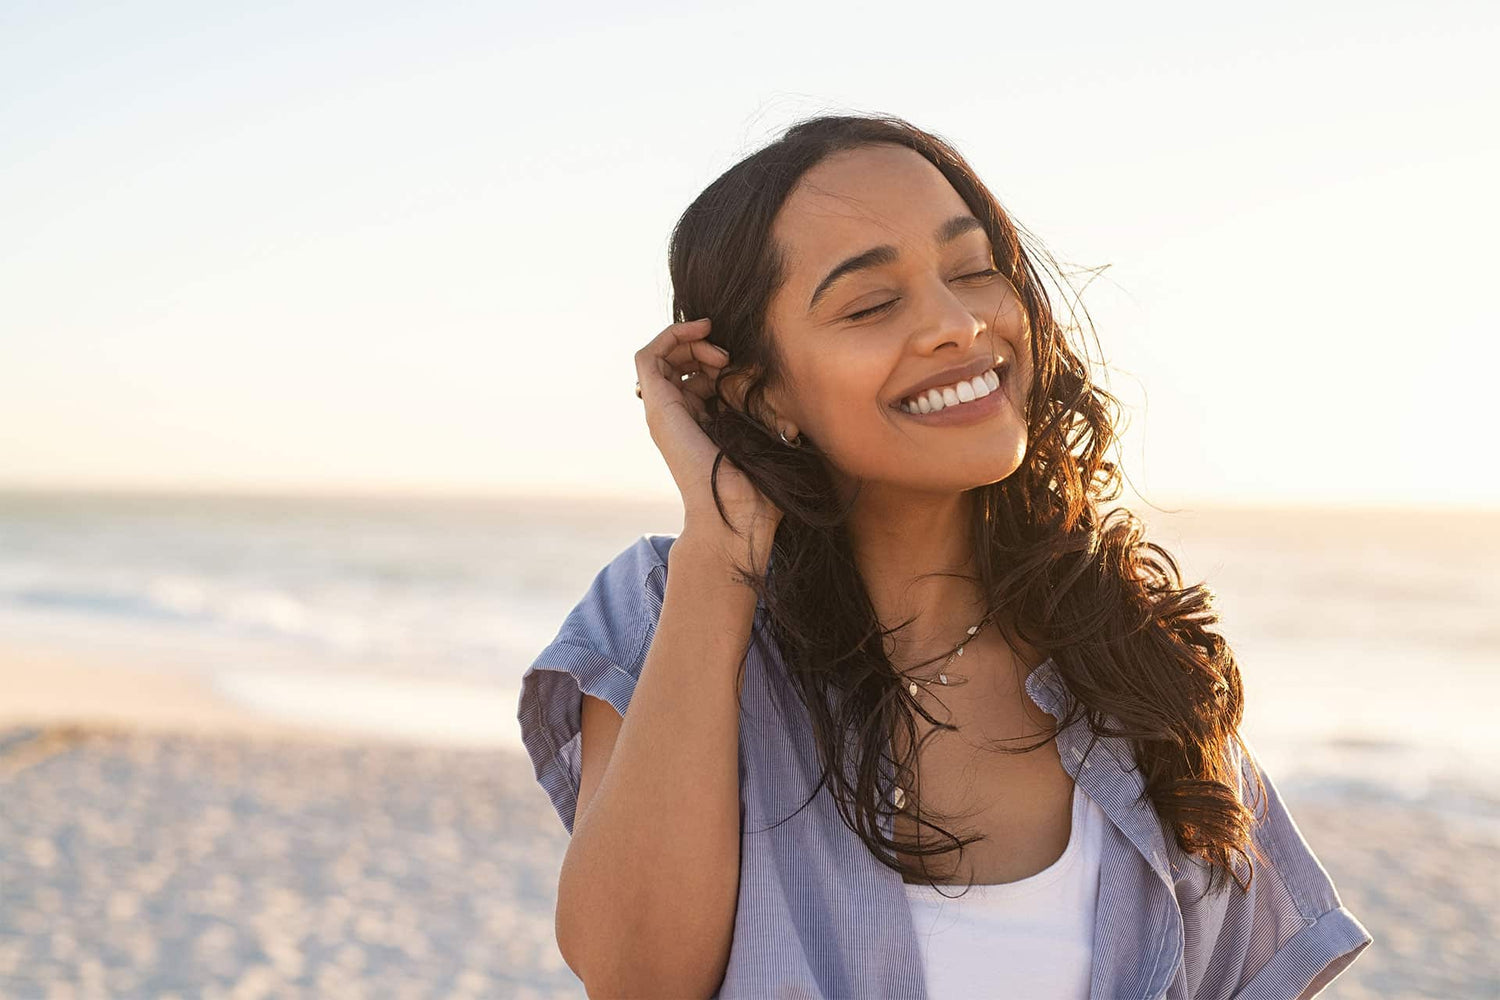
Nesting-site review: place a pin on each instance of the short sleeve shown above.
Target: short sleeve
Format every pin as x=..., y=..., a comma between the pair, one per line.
x=599, y=650
x=1301, y=936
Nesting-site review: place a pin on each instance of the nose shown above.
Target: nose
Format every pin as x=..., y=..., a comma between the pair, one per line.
x=945, y=320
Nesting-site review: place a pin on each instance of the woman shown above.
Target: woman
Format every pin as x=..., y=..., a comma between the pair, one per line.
x=896, y=646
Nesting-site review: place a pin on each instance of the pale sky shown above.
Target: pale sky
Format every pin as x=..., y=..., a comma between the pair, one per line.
x=369, y=245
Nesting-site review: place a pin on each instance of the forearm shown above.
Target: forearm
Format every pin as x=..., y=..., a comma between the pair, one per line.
x=647, y=893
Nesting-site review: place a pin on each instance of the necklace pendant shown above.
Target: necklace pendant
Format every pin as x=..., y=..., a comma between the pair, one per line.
x=900, y=797
x=912, y=687
x=960, y=651
x=943, y=678
x=974, y=629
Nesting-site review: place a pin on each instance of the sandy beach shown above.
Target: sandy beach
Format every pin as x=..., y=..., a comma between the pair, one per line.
x=157, y=840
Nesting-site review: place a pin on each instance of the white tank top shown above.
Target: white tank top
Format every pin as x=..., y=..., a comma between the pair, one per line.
x=1031, y=938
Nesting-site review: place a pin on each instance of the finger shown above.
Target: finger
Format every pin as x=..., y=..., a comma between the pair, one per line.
x=679, y=348
x=701, y=384
x=695, y=406
x=682, y=364
x=677, y=333
x=658, y=378
x=654, y=377
x=707, y=368
x=692, y=352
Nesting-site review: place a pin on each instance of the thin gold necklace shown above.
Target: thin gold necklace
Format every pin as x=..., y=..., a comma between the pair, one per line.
x=912, y=682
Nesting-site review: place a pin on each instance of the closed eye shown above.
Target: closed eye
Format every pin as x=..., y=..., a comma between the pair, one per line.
x=987, y=273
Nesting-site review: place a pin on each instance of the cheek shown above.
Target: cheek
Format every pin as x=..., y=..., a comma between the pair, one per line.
x=845, y=411
x=851, y=383
x=1010, y=315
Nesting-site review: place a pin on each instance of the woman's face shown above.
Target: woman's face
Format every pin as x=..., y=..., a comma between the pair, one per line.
x=892, y=287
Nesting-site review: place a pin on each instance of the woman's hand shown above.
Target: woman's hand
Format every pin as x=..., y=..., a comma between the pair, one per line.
x=675, y=412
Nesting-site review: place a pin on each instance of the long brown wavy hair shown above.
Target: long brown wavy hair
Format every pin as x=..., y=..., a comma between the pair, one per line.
x=1133, y=645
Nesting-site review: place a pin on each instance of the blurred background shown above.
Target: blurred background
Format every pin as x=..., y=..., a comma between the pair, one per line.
x=316, y=336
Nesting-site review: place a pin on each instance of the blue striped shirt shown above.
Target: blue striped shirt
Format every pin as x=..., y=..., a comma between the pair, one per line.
x=819, y=916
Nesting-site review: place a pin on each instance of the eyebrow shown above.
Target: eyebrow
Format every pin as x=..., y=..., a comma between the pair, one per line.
x=887, y=254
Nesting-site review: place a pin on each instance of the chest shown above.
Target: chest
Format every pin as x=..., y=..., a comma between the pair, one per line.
x=1022, y=804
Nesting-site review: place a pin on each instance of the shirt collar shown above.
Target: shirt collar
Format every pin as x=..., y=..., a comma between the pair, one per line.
x=1106, y=771
x=1147, y=934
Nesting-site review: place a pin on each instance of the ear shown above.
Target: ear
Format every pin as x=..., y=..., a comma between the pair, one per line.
x=732, y=389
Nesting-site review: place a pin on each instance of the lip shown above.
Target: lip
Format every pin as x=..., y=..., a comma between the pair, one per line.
x=976, y=367
x=968, y=413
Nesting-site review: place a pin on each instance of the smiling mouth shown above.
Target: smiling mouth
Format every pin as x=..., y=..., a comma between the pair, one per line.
x=951, y=396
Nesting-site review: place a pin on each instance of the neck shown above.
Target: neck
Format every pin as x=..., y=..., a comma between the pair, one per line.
x=898, y=541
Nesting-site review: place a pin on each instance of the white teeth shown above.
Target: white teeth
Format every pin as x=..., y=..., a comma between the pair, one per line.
x=953, y=395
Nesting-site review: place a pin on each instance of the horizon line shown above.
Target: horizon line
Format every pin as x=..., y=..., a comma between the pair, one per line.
x=1162, y=503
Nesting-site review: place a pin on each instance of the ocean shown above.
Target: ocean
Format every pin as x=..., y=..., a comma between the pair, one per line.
x=1369, y=640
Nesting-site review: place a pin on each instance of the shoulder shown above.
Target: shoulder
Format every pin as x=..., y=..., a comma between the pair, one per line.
x=642, y=563
x=599, y=651
x=619, y=610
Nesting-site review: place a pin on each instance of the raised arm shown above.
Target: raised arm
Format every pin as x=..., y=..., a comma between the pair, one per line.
x=648, y=889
